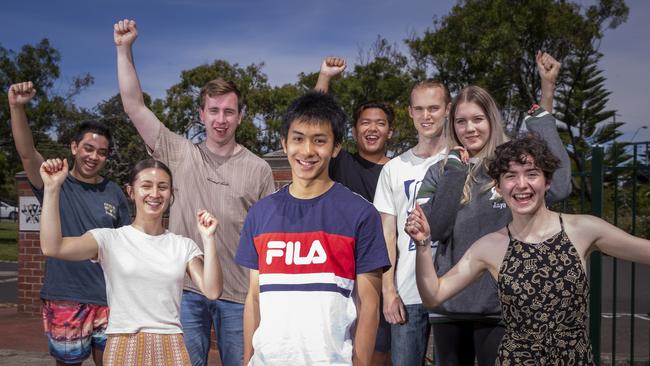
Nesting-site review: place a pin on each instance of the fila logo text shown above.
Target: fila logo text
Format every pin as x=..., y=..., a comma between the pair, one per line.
x=291, y=252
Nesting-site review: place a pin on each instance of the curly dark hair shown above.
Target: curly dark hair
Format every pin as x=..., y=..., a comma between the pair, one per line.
x=518, y=150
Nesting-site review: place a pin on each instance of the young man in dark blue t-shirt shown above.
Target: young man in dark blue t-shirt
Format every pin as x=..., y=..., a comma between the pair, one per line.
x=315, y=251
x=75, y=312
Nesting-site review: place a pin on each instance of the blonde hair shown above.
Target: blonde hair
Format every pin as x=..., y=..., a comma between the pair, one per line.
x=483, y=99
x=430, y=84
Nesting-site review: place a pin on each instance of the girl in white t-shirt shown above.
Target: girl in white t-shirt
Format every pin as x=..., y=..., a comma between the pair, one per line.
x=144, y=265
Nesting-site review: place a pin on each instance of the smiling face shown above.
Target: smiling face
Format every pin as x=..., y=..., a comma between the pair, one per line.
x=220, y=115
x=90, y=155
x=371, y=131
x=472, y=127
x=523, y=187
x=309, y=147
x=151, y=192
x=428, y=110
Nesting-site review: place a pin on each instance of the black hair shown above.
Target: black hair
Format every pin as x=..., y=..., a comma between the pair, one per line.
x=518, y=150
x=385, y=107
x=315, y=107
x=92, y=126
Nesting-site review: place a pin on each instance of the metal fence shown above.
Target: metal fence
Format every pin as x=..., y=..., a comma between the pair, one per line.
x=617, y=188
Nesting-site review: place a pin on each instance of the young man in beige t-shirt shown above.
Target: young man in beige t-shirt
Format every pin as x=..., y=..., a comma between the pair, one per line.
x=217, y=174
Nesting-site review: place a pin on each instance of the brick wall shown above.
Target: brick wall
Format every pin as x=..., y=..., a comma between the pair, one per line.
x=31, y=263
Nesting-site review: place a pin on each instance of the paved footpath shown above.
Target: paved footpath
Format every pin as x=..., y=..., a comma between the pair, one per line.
x=22, y=341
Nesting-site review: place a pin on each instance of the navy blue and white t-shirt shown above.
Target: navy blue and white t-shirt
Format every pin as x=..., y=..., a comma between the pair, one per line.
x=83, y=206
x=308, y=254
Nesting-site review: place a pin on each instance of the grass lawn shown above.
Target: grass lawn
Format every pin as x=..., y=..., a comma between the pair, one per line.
x=8, y=240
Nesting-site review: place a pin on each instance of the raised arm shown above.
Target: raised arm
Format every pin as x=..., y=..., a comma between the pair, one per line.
x=543, y=124
x=434, y=290
x=548, y=69
x=19, y=95
x=394, y=311
x=145, y=121
x=330, y=67
x=53, y=173
x=603, y=236
x=206, y=273
x=251, y=313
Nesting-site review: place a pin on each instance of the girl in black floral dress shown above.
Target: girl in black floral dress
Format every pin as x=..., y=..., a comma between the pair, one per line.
x=538, y=261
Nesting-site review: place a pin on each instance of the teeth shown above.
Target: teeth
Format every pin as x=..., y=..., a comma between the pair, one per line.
x=523, y=196
x=305, y=163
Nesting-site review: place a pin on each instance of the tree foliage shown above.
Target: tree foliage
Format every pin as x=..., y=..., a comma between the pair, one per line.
x=50, y=111
x=488, y=43
x=492, y=43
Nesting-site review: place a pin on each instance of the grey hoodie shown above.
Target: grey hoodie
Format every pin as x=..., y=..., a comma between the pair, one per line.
x=456, y=227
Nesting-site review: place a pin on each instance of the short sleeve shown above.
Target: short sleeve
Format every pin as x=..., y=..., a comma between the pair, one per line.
x=383, y=200
x=38, y=193
x=193, y=250
x=123, y=210
x=247, y=255
x=170, y=148
x=427, y=190
x=102, y=237
x=370, y=249
x=268, y=183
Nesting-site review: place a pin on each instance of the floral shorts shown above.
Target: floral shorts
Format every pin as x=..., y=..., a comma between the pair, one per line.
x=73, y=329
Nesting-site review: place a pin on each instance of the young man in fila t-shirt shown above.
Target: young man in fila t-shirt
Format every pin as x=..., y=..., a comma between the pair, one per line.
x=316, y=254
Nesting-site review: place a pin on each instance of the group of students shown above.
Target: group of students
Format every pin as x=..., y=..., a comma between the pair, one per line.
x=348, y=264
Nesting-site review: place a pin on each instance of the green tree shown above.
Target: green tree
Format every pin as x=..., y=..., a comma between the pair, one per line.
x=382, y=73
x=50, y=111
x=492, y=43
x=180, y=109
x=582, y=105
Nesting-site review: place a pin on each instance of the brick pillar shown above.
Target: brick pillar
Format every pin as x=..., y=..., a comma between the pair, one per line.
x=31, y=262
x=280, y=167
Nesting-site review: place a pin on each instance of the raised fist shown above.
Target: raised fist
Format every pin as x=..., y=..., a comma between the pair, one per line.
x=206, y=223
x=53, y=172
x=332, y=66
x=125, y=32
x=21, y=93
x=547, y=67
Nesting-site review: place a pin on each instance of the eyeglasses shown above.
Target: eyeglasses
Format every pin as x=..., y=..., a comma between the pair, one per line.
x=419, y=110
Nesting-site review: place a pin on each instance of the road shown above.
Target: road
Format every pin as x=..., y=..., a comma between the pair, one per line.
x=8, y=282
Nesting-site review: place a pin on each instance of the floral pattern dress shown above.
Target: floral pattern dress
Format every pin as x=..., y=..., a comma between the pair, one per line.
x=544, y=292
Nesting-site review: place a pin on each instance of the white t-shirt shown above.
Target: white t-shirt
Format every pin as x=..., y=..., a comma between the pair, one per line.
x=144, y=278
x=398, y=185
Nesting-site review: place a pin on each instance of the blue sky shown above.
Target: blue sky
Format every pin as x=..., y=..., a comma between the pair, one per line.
x=290, y=36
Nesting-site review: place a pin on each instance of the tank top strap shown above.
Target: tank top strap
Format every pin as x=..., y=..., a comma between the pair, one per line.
x=561, y=222
x=508, y=229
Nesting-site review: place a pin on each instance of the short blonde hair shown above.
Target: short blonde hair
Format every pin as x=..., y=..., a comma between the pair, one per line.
x=427, y=84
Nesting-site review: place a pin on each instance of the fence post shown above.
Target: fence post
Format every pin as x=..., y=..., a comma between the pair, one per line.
x=595, y=261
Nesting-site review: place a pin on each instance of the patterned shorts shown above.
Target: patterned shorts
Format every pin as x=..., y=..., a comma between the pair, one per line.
x=146, y=349
x=73, y=329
